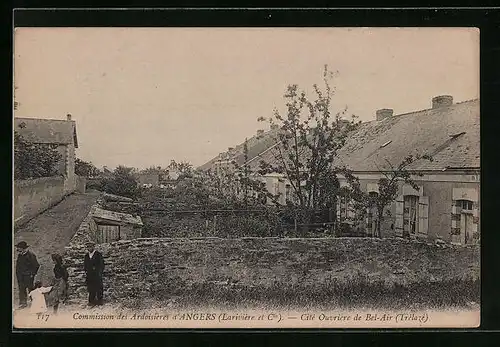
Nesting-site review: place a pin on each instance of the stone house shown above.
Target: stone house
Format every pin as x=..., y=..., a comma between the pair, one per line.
x=61, y=133
x=446, y=206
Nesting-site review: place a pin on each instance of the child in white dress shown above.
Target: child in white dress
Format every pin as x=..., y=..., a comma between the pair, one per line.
x=37, y=296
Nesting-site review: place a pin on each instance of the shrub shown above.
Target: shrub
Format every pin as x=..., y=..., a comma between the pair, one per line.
x=34, y=160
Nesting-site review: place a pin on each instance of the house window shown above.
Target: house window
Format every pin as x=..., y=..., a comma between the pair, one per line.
x=288, y=193
x=464, y=204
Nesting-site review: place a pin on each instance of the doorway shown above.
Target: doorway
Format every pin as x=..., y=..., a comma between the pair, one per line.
x=410, y=215
x=107, y=233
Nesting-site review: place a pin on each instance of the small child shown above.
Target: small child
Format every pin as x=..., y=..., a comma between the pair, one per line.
x=37, y=296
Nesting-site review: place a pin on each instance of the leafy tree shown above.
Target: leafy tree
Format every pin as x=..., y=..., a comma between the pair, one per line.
x=388, y=188
x=152, y=170
x=184, y=169
x=34, y=160
x=122, y=182
x=308, y=138
x=86, y=169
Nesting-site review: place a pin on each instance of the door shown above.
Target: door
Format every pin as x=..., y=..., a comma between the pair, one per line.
x=108, y=233
x=466, y=228
x=410, y=215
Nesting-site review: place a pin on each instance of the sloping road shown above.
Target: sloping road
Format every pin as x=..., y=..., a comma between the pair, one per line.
x=52, y=230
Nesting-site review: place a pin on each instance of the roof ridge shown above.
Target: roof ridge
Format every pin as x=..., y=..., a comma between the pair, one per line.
x=45, y=119
x=430, y=109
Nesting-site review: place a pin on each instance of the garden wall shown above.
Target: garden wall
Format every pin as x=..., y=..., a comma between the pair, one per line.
x=32, y=197
x=208, y=269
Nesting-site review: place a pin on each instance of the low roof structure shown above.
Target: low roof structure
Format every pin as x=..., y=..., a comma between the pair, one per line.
x=105, y=216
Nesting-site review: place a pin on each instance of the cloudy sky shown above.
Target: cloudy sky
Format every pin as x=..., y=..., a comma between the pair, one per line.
x=144, y=96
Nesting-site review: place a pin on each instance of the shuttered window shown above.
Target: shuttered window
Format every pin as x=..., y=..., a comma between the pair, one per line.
x=412, y=215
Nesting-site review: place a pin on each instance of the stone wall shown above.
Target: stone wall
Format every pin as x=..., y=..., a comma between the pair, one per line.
x=81, y=184
x=71, y=177
x=162, y=267
x=32, y=197
x=87, y=230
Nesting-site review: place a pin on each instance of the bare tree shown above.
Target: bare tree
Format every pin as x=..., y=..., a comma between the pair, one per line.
x=307, y=139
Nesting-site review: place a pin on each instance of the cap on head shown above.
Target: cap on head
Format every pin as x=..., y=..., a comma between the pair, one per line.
x=22, y=245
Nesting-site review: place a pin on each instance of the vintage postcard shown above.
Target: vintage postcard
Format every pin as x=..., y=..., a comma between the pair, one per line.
x=246, y=178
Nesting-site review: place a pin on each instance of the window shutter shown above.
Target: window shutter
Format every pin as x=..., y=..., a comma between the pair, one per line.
x=351, y=215
x=423, y=214
x=339, y=206
x=367, y=220
x=455, y=215
x=475, y=211
x=399, y=215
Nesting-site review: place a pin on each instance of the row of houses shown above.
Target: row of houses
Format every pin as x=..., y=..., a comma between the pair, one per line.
x=447, y=204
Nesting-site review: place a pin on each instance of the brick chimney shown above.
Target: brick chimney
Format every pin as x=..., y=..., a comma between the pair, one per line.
x=68, y=116
x=384, y=113
x=442, y=101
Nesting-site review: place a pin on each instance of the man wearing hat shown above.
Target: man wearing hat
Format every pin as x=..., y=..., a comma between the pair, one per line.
x=26, y=268
x=94, y=267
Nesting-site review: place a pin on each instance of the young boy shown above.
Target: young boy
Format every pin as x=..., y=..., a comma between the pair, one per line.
x=37, y=296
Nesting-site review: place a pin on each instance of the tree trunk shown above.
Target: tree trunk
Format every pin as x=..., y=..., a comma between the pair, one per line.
x=305, y=219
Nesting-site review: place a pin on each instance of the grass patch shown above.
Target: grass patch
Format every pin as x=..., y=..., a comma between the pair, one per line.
x=357, y=292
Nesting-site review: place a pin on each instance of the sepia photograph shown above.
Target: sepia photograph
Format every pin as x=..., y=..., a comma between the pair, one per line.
x=246, y=178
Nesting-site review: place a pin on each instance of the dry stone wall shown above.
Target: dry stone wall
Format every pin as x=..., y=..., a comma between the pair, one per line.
x=32, y=197
x=165, y=267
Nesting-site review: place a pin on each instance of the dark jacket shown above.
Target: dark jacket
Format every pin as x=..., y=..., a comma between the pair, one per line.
x=94, y=267
x=26, y=265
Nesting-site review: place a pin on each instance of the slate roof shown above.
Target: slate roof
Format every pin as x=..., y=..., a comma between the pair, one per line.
x=51, y=131
x=451, y=135
x=125, y=218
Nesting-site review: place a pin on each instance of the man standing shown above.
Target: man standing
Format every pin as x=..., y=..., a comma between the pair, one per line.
x=94, y=267
x=26, y=268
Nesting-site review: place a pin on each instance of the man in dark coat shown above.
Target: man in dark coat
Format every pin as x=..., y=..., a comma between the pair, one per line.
x=26, y=268
x=94, y=268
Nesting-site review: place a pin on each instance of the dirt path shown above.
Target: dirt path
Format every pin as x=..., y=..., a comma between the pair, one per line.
x=52, y=230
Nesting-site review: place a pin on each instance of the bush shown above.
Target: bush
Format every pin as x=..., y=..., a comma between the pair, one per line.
x=34, y=160
x=121, y=182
